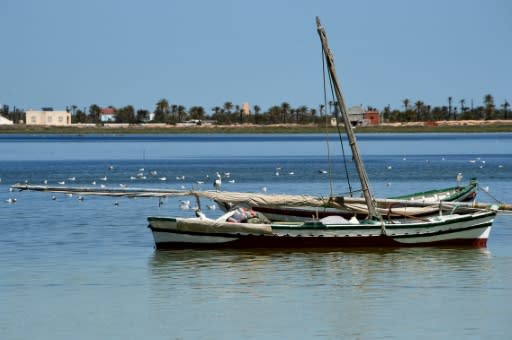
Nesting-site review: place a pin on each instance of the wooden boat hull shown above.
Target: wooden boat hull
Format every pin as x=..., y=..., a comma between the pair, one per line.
x=464, y=230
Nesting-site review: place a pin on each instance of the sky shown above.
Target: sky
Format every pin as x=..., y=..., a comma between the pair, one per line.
x=58, y=53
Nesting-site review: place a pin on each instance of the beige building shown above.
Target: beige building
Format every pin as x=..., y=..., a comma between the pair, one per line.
x=56, y=118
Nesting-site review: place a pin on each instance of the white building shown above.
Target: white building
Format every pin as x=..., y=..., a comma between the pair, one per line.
x=5, y=121
x=48, y=117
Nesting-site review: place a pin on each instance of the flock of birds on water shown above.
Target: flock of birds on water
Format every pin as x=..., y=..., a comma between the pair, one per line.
x=216, y=181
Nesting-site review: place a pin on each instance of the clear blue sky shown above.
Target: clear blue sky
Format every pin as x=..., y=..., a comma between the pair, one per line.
x=124, y=52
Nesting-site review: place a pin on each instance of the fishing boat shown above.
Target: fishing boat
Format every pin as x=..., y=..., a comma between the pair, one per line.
x=334, y=231
x=245, y=228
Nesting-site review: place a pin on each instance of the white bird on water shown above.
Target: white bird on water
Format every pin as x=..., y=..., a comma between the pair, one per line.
x=218, y=182
x=185, y=205
x=10, y=200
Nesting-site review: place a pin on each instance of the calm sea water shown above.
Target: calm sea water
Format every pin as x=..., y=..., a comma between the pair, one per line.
x=88, y=270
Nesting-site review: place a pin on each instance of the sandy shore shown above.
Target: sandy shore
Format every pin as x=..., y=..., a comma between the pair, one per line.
x=415, y=127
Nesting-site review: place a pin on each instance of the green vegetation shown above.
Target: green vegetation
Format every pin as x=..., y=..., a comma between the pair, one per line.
x=303, y=118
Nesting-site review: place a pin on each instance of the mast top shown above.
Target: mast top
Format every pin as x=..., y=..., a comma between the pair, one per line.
x=363, y=177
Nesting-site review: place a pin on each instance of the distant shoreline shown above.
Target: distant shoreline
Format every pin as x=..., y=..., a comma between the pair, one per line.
x=411, y=127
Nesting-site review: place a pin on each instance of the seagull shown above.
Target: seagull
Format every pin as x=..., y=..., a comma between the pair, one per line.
x=54, y=197
x=61, y=182
x=185, y=205
x=104, y=178
x=10, y=200
x=264, y=189
x=103, y=186
x=227, y=174
x=211, y=207
x=389, y=167
x=72, y=178
x=180, y=178
x=200, y=182
x=231, y=181
x=123, y=185
x=218, y=182
x=163, y=178
x=322, y=171
x=153, y=173
x=80, y=198
x=291, y=173
x=45, y=181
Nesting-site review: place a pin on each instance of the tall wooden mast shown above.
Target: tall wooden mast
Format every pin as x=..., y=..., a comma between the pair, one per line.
x=365, y=187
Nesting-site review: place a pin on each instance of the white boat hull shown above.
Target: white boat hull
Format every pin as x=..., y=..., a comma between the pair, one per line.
x=464, y=230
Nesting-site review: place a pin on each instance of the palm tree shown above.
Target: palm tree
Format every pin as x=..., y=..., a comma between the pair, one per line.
x=228, y=106
x=181, y=112
x=419, y=108
x=303, y=109
x=406, y=104
x=161, y=110
x=163, y=105
x=94, y=111
x=489, y=106
x=197, y=112
x=216, y=110
x=285, y=108
x=505, y=107
x=449, y=107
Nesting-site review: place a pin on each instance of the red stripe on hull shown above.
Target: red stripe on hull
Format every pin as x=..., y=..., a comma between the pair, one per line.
x=287, y=242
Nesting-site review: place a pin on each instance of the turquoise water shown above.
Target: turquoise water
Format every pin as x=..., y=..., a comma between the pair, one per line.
x=87, y=269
